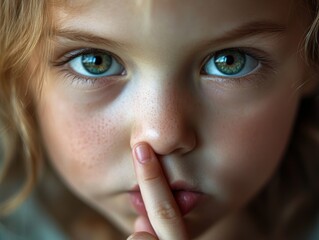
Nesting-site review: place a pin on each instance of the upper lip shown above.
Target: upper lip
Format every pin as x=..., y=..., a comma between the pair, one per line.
x=175, y=186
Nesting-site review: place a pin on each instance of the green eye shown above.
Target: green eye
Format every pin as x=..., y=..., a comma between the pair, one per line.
x=96, y=63
x=230, y=63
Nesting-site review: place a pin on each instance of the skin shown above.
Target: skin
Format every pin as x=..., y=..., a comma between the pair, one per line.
x=224, y=136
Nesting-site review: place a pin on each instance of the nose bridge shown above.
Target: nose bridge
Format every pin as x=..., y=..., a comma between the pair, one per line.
x=161, y=118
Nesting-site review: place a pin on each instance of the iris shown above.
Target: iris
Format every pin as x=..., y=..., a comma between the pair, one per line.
x=97, y=63
x=230, y=62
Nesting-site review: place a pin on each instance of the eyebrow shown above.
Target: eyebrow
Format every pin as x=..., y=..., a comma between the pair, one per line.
x=87, y=37
x=250, y=30
x=244, y=31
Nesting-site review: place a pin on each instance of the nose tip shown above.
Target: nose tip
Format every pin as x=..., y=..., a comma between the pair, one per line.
x=165, y=124
x=166, y=138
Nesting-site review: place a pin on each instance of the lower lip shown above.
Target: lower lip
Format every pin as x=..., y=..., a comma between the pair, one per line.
x=186, y=201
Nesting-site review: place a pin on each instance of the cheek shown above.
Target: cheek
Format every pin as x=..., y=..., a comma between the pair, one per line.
x=248, y=149
x=82, y=144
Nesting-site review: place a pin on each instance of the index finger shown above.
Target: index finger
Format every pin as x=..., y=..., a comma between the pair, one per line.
x=161, y=207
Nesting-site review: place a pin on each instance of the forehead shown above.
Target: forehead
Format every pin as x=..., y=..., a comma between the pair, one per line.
x=134, y=19
x=182, y=9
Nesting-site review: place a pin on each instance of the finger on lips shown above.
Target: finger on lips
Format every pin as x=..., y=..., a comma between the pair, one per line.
x=162, y=210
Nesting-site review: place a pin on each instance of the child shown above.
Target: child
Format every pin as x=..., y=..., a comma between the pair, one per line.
x=172, y=119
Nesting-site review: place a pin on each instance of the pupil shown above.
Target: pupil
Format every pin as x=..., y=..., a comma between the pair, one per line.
x=96, y=63
x=230, y=60
x=97, y=60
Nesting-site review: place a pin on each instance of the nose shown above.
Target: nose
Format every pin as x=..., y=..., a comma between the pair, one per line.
x=163, y=118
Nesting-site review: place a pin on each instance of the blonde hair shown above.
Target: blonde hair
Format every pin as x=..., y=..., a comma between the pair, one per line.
x=25, y=25
x=312, y=37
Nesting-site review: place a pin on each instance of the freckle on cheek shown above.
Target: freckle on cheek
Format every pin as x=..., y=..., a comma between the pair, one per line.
x=91, y=144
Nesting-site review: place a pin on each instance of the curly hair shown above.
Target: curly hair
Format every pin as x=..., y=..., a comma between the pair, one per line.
x=23, y=26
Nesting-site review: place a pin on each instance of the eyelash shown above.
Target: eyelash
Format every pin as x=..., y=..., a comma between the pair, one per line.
x=78, y=79
x=266, y=64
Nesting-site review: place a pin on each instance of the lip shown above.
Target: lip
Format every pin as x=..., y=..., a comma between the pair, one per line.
x=186, y=197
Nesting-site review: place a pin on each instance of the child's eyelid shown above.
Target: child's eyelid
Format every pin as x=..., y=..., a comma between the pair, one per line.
x=261, y=56
x=67, y=57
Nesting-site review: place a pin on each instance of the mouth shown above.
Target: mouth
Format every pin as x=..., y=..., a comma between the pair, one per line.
x=186, y=197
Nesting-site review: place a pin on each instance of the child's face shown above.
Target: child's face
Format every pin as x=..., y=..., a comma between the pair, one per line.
x=219, y=124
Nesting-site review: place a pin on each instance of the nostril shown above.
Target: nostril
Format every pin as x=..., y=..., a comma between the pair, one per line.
x=176, y=145
x=181, y=151
x=188, y=146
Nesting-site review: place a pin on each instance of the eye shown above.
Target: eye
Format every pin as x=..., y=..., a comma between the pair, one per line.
x=230, y=63
x=96, y=65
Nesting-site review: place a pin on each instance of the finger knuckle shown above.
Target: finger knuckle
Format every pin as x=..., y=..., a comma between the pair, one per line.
x=150, y=178
x=166, y=211
x=151, y=175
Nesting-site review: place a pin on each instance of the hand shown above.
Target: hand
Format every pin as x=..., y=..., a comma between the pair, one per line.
x=163, y=213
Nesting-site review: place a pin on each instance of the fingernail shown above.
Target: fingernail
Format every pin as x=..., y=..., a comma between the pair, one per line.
x=142, y=153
